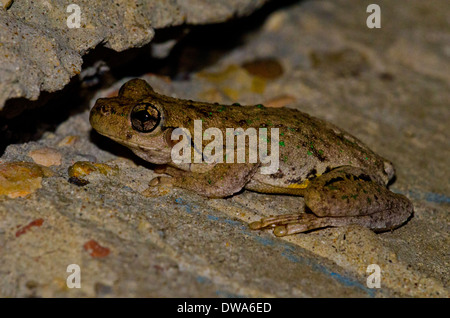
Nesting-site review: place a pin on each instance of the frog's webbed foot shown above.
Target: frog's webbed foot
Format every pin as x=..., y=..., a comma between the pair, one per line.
x=344, y=196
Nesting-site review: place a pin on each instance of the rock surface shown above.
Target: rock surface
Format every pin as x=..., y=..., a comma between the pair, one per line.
x=39, y=52
x=389, y=87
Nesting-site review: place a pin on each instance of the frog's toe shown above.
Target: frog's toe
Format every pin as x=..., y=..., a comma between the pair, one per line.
x=306, y=223
x=290, y=223
x=158, y=186
x=280, y=230
x=255, y=225
x=283, y=230
x=161, y=181
x=274, y=221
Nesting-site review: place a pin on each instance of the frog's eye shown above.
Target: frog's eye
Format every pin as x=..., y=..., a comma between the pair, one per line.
x=145, y=117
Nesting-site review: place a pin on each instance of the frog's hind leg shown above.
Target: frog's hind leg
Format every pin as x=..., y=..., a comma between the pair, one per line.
x=299, y=223
x=292, y=223
x=344, y=196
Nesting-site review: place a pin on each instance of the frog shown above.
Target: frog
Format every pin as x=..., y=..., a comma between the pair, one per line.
x=341, y=180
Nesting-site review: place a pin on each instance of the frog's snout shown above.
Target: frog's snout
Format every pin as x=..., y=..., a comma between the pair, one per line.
x=102, y=106
x=100, y=112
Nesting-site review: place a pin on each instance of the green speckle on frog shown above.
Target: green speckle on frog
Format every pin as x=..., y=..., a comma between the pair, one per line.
x=342, y=180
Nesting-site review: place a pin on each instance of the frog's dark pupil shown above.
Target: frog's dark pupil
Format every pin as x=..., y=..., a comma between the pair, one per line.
x=145, y=117
x=142, y=115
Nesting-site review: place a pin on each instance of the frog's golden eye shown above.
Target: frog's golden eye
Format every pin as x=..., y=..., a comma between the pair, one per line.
x=145, y=117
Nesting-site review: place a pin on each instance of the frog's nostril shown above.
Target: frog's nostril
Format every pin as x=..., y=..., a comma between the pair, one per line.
x=105, y=109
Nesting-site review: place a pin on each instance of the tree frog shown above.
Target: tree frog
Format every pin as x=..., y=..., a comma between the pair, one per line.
x=342, y=181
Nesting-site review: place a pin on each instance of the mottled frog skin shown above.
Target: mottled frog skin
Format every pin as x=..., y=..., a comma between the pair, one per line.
x=342, y=180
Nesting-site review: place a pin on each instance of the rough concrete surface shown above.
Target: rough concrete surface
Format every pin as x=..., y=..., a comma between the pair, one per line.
x=389, y=87
x=40, y=52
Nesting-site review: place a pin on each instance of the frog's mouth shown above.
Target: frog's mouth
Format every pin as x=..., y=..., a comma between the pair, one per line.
x=151, y=154
x=127, y=143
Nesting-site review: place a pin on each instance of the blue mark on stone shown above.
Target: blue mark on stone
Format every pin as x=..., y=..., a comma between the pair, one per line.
x=226, y=294
x=186, y=206
x=223, y=220
x=437, y=197
x=264, y=240
x=232, y=222
x=346, y=281
x=203, y=280
x=350, y=282
x=427, y=196
x=213, y=217
x=293, y=258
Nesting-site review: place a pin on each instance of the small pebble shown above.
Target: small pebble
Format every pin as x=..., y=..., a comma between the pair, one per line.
x=267, y=68
x=276, y=21
x=96, y=250
x=81, y=169
x=68, y=141
x=46, y=157
x=23, y=230
x=19, y=179
x=233, y=81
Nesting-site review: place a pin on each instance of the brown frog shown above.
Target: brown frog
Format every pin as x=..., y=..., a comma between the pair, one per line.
x=342, y=181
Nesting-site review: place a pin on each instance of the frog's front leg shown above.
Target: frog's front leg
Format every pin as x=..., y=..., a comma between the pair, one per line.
x=217, y=181
x=344, y=196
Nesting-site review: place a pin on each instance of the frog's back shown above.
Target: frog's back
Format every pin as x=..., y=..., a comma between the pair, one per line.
x=310, y=147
